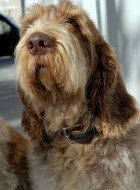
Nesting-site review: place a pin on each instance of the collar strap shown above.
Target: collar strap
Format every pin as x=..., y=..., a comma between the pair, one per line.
x=76, y=134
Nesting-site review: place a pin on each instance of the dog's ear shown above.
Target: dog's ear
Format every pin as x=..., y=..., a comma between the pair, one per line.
x=108, y=97
x=106, y=92
x=32, y=122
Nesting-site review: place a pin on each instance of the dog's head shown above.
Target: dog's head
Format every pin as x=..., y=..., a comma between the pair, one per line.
x=61, y=54
x=54, y=49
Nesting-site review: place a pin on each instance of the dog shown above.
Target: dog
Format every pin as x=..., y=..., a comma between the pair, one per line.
x=82, y=122
x=14, y=166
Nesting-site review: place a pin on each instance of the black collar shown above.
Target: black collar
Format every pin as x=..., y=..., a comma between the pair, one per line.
x=76, y=134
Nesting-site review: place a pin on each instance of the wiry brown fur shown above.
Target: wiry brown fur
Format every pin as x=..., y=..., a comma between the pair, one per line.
x=77, y=81
x=14, y=167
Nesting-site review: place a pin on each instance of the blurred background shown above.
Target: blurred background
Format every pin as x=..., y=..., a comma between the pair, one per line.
x=117, y=20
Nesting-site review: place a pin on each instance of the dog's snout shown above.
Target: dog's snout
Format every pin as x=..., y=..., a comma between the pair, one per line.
x=39, y=43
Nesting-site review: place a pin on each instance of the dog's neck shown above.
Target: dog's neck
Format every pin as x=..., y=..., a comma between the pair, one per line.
x=59, y=113
x=77, y=118
x=48, y=118
x=59, y=116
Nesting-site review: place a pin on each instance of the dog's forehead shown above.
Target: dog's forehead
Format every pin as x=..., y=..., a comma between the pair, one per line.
x=65, y=15
x=60, y=13
x=56, y=13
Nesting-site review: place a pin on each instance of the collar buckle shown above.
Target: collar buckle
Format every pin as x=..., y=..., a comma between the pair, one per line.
x=72, y=129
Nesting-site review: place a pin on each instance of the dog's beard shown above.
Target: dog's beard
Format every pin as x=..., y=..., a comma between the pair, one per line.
x=40, y=73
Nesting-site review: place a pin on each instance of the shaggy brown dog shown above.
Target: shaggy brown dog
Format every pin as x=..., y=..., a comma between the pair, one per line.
x=80, y=118
x=13, y=159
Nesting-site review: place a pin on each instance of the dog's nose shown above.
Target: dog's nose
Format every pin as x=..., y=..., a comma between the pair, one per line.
x=39, y=43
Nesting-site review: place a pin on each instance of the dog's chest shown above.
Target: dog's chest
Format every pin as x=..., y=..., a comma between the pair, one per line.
x=61, y=171
x=83, y=169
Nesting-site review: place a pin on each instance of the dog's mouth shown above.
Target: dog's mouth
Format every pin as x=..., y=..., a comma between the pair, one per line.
x=39, y=62
x=43, y=75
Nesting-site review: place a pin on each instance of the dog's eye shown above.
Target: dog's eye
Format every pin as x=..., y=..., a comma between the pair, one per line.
x=73, y=23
